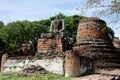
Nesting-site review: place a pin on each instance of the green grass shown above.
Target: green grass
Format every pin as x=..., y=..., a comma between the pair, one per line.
x=21, y=76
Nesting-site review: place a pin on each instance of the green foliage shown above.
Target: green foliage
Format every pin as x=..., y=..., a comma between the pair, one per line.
x=1, y=24
x=111, y=32
x=58, y=16
x=15, y=33
x=2, y=45
x=71, y=24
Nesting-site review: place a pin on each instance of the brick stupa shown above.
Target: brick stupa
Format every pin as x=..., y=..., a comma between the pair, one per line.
x=93, y=51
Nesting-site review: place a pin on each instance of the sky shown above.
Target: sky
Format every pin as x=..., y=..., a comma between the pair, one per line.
x=34, y=10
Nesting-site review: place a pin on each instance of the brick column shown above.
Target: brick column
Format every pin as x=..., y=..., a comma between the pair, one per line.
x=3, y=60
x=72, y=64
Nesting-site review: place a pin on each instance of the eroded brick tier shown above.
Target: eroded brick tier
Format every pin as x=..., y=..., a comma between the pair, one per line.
x=93, y=42
x=92, y=28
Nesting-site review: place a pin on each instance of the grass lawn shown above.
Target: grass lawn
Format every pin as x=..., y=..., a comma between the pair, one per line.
x=22, y=76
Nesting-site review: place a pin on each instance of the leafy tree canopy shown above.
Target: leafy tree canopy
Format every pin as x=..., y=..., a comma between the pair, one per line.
x=15, y=33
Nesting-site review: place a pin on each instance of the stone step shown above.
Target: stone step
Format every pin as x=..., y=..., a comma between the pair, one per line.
x=102, y=50
x=94, y=42
x=101, y=46
x=98, y=77
x=91, y=42
x=112, y=60
x=108, y=65
x=110, y=72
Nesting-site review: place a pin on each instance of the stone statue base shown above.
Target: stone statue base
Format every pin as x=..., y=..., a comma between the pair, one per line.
x=52, y=35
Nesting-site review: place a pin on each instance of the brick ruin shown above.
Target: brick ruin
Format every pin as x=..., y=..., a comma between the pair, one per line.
x=94, y=42
x=93, y=48
x=92, y=52
x=25, y=51
x=54, y=42
x=50, y=45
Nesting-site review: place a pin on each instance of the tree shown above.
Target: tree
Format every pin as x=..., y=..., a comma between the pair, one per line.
x=71, y=24
x=105, y=8
x=113, y=6
x=58, y=16
x=37, y=28
x=1, y=24
x=16, y=33
x=2, y=45
x=110, y=32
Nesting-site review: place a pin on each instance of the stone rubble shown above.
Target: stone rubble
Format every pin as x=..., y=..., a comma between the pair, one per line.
x=35, y=69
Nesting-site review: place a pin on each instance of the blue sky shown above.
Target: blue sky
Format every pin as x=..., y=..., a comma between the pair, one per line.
x=32, y=10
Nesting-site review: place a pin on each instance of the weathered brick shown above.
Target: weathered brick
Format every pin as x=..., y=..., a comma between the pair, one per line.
x=94, y=42
x=50, y=44
x=72, y=64
x=91, y=28
x=3, y=60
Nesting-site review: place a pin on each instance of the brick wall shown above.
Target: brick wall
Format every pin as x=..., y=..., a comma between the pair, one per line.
x=15, y=64
x=48, y=45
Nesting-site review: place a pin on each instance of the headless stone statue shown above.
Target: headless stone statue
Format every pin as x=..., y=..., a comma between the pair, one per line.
x=57, y=26
x=56, y=29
